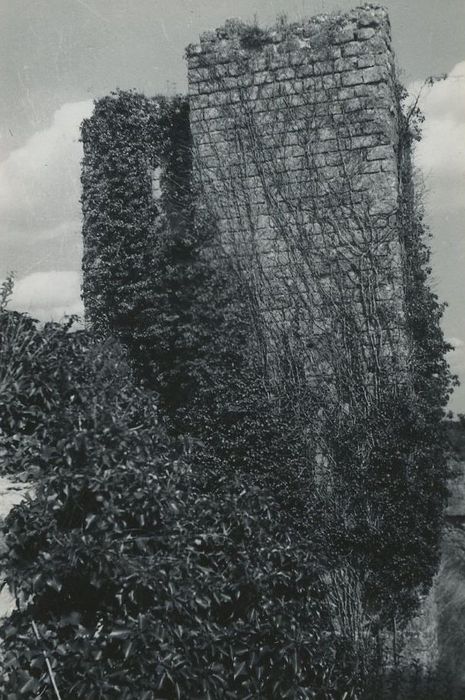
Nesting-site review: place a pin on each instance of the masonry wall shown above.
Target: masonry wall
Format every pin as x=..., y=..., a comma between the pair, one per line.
x=295, y=133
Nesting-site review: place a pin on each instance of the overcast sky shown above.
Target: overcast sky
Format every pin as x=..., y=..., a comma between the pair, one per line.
x=57, y=56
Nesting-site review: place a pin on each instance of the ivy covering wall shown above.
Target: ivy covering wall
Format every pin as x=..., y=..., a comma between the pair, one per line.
x=128, y=142
x=188, y=326
x=145, y=277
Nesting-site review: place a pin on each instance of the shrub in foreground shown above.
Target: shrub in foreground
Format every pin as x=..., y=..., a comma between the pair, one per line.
x=139, y=577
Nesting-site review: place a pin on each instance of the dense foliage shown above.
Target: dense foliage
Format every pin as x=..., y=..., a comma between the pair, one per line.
x=178, y=308
x=144, y=279
x=139, y=577
x=36, y=386
x=133, y=147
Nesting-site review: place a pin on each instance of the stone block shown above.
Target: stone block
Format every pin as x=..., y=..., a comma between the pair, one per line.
x=305, y=70
x=378, y=44
x=366, y=61
x=263, y=77
x=353, y=104
x=375, y=74
x=232, y=69
x=363, y=141
x=365, y=33
x=352, y=78
x=284, y=74
x=346, y=64
x=330, y=81
x=381, y=153
x=362, y=90
x=353, y=48
x=344, y=34
x=323, y=67
x=373, y=166
x=389, y=166
x=259, y=63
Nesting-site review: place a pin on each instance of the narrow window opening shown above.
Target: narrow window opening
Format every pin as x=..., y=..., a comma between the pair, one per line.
x=156, y=182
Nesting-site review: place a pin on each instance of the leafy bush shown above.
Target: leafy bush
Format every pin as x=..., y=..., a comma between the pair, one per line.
x=41, y=371
x=137, y=576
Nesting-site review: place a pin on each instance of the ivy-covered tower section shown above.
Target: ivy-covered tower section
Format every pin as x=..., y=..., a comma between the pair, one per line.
x=136, y=179
x=259, y=251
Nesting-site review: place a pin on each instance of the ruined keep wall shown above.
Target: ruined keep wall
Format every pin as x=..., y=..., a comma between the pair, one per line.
x=136, y=178
x=295, y=133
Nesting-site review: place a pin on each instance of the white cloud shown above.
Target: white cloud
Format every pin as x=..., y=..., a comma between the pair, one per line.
x=39, y=182
x=48, y=295
x=441, y=152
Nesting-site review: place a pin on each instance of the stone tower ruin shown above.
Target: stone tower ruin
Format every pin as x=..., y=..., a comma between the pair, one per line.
x=294, y=147
x=298, y=156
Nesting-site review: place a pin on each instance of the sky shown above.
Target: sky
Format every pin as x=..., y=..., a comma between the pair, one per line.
x=57, y=56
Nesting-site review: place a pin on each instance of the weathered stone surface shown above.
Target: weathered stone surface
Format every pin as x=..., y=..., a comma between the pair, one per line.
x=307, y=114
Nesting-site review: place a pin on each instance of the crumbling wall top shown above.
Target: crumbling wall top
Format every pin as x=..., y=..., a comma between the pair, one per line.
x=313, y=33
